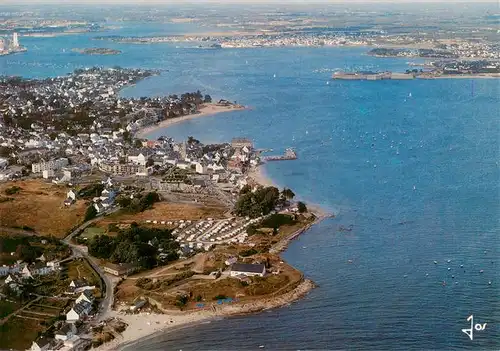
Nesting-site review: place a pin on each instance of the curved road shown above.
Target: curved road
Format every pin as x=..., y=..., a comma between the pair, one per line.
x=79, y=251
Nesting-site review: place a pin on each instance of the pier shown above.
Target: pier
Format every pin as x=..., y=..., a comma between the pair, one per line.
x=290, y=154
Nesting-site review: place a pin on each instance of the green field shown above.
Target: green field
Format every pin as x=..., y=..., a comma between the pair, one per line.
x=90, y=232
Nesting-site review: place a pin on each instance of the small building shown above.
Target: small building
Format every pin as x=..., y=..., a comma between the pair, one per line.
x=119, y=269
x=86, y=295
x=78, y=286
x=138, y=305
x=78, y=312
x=248, y=270
x=66, y=332
x=41, y=344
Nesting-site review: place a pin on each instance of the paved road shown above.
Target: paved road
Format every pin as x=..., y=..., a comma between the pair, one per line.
x=78, y=251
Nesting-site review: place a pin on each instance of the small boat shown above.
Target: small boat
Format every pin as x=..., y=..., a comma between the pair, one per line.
x=435, y=262
x=261, y=346
x=274, y=76
x=409, y=95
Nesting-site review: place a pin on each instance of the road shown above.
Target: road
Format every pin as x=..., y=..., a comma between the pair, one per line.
x=107, y=302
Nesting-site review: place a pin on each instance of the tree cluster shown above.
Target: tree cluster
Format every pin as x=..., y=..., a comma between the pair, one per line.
x=91, y=190
x=140, y=203
x=261, y=201
x=132, y=246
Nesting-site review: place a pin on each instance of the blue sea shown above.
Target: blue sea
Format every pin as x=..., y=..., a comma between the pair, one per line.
x=411, y=166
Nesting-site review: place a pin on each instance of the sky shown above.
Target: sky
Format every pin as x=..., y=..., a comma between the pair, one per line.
x=163, y=2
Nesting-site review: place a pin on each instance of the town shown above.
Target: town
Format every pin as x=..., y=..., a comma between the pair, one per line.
x=97, y=222
x=397, y=44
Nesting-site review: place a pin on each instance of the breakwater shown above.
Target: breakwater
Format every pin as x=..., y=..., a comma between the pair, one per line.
x=290, y=154
x=372, y=76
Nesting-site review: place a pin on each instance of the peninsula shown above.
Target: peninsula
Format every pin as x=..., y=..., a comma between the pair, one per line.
x=180, y=230
x=97, y=51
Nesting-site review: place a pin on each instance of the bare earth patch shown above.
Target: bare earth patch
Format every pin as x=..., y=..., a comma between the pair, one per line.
x=166, y=211
x=39, y=205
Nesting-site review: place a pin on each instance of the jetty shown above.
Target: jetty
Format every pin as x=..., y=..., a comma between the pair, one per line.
x=372, y=76
x=290, y=154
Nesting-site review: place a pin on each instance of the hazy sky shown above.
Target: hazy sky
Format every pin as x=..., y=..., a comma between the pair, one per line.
x=156, y=2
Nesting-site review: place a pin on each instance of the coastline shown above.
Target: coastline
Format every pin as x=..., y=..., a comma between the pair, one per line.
x=145, y=326
x=207, y=109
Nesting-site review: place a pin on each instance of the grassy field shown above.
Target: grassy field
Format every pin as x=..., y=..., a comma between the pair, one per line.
x=7, y=307
x=80, y=269
x=18, y=333
x=39, y=205
x=90, y=232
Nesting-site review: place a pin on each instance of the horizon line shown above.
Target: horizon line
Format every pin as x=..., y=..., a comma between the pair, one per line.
x=238, y=2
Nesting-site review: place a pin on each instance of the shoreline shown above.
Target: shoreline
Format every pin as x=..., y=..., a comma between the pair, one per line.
x=207, y=109
x=145, y=326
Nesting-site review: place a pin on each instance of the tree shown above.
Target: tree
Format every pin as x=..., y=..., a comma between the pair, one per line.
x=287, y=194
x=127, y=136
x=207, y=99
x=246, y=189
x=26, y=253
x=301, y=207
x=150, y=162
x=138, y=143
x=91, y=213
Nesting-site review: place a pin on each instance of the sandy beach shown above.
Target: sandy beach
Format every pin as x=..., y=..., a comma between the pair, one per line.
x=147, y=325
x=205, y=110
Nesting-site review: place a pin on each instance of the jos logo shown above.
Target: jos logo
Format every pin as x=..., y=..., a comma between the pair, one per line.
x=477, y=327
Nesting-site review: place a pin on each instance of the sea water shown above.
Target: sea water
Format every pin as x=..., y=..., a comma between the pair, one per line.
x=415, y=177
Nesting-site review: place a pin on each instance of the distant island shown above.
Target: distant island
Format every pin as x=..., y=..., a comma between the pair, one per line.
x=97, y=51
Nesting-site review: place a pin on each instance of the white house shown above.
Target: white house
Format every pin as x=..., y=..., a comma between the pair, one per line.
x=99, y=207
x=79, y=311
x=3, y=163
x=41, y=344
x=66, y=332
x=86, y=296
x=137, y=159
x=71, y=195
x=9, y=279
x=248, y=270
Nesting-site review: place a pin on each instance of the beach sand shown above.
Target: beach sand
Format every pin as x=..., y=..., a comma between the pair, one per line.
x=204, y=110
